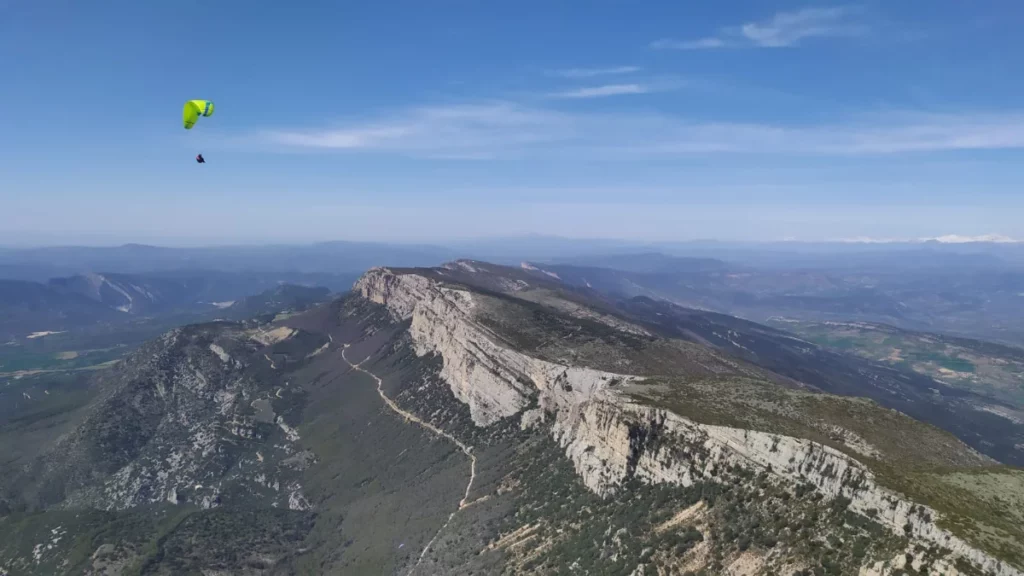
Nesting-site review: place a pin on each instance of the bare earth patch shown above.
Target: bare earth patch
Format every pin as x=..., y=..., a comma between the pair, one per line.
x=690, y=514
x=748, y=563
x=272, y=336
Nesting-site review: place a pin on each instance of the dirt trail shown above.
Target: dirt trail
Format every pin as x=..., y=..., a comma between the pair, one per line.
x=467, y=450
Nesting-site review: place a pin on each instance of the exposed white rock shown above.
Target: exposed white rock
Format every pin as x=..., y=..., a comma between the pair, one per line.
x=225, y=400
x=291, y=433
x=224, y=356
x=399, y=292
x=193, y=379
x=296, y=501
x=609, y=438
x=204, y=405
x=494, y=381
x=103, y=550
x=531, y=419
x=210, y=500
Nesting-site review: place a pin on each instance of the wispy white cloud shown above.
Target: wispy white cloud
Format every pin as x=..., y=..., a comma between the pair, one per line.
x=785, y=29
x=503, y=129
x=365, y=137
x=603, y=91
x=789, y=28
x=593, y=72
x=699, y=44
x=468, y=131
x=872, y=135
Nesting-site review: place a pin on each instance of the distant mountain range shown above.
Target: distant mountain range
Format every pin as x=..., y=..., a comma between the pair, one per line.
x=973, y=288
x=284, y=297
x=330, y=257
x=30, y=307
x=40, y=264
x=89, y=300
x=955, y=293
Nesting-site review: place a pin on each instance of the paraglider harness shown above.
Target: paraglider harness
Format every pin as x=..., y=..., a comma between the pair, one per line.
x=200, y=159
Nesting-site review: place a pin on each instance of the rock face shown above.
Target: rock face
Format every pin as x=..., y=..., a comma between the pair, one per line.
x=610, y=438
x=178, y=425
x=494, y=381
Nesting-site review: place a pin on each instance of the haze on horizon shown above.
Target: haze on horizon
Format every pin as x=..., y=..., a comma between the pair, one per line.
x=402, y=122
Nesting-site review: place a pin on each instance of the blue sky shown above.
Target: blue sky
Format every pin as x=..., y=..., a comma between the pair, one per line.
x=412, y=120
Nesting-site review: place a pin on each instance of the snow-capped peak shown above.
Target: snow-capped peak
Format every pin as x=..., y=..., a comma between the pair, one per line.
x=958, y=239
x=945, y=239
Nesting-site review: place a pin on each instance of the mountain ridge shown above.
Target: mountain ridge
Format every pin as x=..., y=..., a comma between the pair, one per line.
x=403, y=293
x=436, y=420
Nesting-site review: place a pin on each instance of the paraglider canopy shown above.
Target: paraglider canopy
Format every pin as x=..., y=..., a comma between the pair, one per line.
x=193, y=110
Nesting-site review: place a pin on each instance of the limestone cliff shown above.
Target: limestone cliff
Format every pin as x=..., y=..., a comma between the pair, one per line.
x=611, y=438
x=495, y=381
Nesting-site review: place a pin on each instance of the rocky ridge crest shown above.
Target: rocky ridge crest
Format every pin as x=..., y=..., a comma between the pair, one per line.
x=612, y=438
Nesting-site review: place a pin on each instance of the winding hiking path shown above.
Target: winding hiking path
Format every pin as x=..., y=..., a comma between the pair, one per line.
x=467, y=450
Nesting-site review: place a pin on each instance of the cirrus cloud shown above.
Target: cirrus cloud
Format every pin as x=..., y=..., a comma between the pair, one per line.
x=603, y=91
x=784, y=29
x=593, y=72
x=505, y=129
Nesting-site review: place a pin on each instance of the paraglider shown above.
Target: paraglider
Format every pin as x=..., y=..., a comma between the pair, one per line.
x=190, y=115
x=194, y=109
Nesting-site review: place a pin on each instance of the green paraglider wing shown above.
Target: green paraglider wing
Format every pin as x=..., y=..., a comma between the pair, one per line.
x=193, y=110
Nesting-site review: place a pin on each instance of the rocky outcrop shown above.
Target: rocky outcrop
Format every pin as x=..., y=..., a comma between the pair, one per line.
x=400, y=293
x=178, y=425
x=494, y=381
x=610, y=441
x=610, y=438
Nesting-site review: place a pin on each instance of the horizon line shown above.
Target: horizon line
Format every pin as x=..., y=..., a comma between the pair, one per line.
x=947, y=239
